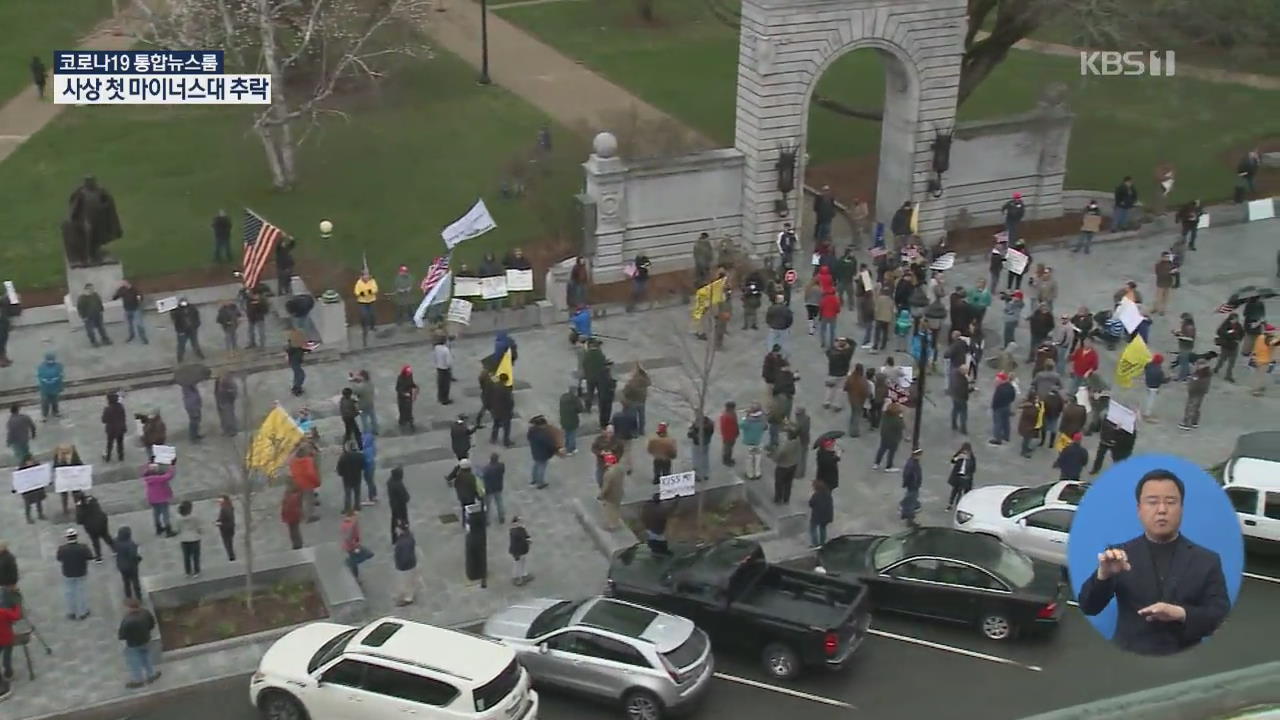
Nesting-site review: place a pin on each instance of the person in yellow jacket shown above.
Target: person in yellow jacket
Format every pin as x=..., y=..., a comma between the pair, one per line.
x=1261, y=359
x=366, y=292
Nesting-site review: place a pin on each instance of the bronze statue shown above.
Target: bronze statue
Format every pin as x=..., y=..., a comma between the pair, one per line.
x=91, y=223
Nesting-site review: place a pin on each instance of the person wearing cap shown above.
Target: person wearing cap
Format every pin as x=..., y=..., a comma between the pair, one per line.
x=74, y=557
x=1013, y=212
x=465, y=486
x=786, y=243
x=1014, y=279
x=1046, y=287
x=186, y=324
x=366, y=294
x=963, y=466
x=1013, y=306
x=1153, y=377
x=403, y=295
x=1073, y=459
x=912, y=480
x=1062, y=336
x=611, y=491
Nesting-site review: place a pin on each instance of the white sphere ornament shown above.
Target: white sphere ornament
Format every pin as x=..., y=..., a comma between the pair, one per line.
x=605, y=145
x=326, y=228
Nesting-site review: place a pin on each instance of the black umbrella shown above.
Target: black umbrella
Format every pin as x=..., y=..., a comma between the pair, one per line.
x=1252, y=292
x=829, y=435
x=191, y=374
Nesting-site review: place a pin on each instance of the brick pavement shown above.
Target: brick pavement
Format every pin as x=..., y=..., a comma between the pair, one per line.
x=563, y=559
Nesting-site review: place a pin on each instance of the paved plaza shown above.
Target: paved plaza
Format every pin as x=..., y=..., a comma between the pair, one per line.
x=564, y=560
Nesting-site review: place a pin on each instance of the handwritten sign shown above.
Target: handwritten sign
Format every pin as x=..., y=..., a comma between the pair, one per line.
x=865, y=277
x=1128, y=313
x=1015, y=261
x=1121, y=416
x=164, y=454
x=32, y=478
x=164, y=305
x=1092, y=223
x=677, y=485
x=1203, y=223
x=492, y=288
x=520, y=280
x=467, y=287
x=459, y=312
x=944, y=262
x=73, y=477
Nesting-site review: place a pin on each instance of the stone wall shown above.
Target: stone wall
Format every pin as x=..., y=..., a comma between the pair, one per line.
x=992, y=159
x=658, y=207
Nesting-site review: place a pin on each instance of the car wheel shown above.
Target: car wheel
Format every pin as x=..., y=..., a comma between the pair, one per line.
x=279, y=705
x=642, y=705
x=996, y=625
x=781, y=662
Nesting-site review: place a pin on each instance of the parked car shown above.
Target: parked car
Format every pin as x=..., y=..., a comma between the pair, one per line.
x=944, y=574
x=790, y=619
x=1251, y=479
x=390, y=669
x=619, y=651
x=1035, y=520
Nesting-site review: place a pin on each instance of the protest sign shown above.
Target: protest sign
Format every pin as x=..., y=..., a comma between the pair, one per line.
x=459, y=312
x=164, y=454
x=70, y=478
x=32, y=478
x=519, y=280
x=1015, y=261
x=164, y=305
x=467, y=287
x=1121, y=416
x=677, y=485
x=492, y=288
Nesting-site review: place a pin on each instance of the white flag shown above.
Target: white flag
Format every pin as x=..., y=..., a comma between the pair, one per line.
x=442, y=291
x=476, y=222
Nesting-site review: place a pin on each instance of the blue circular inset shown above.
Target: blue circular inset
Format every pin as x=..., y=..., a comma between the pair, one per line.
x=1108, y=516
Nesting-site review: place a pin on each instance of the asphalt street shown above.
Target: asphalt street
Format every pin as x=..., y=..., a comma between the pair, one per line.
x=913, y=669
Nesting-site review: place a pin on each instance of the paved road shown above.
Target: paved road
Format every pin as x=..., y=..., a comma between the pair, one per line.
x=897, y=676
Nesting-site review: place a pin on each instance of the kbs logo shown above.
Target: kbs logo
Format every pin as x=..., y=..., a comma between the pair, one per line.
x=1155, y=63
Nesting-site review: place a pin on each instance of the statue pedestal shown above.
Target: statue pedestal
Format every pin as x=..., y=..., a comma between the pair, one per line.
x=105, y=278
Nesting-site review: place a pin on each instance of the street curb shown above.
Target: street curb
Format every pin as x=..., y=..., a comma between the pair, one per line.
x=124, y=708
x=1190, y=700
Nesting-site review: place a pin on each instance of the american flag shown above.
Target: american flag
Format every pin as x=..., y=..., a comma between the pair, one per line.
x=439, y=268
x=1227, y=307
x=260, y=239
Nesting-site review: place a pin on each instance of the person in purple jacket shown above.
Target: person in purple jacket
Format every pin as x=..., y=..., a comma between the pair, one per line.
x=159, y=494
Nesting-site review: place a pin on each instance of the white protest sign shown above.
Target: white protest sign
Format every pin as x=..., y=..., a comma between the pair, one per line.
x=1015, y=261
x=492, y=288
x=459, y=312
x=677, y=485
x=73, y=477
x=1082, y=396
x=164, y=305
x=164, y=454
x=944, y=262
x=1121, y=416
x=32, y=478
x=520, y=280
x=815, y=260
x=467, y=287
x=1204, y=222
x=11, y=292
x=1264, y=209
x=865, y=277
x=1128, y=313
x=476, y=222
x=907, y=376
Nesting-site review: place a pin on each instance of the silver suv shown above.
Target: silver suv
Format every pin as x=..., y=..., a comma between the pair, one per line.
x=652, y=662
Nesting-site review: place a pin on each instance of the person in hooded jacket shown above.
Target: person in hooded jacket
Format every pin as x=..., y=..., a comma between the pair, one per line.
x=115, y=422
x=90, y=516
x=351, y=469
x=752, y=429
x=225, y=394
x=186, y=324
x=465, y=487
x=291, y=514
x=8, y=568
x=397, y=499
x=821, y=513
x=49, y=380
x=859, y=390
x=700, y=434
x=827, y=462
x=1228, y=338
x=460, y=437
x=963, y=466
x=305, y=473
x=571, y=409
x=404, y=551
x=785, y=460
x=194, y=405
x=128, y=561
x=1073, y=459
x=157, y=479
x=1197, y=389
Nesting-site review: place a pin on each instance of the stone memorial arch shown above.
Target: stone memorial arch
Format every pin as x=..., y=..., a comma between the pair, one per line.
x=786, y=45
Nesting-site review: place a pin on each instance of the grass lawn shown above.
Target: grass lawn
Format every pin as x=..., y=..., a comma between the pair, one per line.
x=687, y=66
x=38, y=27
x=414, y=156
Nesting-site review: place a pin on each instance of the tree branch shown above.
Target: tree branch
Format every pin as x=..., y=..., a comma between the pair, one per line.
x=840, y=108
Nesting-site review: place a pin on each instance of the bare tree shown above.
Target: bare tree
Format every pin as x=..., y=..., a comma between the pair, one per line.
x=312, y=49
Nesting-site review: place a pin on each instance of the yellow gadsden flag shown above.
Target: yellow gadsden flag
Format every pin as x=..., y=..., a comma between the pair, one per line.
x=708, y=296
x=275, y=440
x=506, y=367
x=1133, y=361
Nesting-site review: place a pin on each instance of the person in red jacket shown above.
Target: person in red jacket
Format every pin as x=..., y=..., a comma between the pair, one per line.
x=8, y=616
x=1084, y=362
x=825, y=280
x=728, y=431
x=828, y=311
x=291, y=514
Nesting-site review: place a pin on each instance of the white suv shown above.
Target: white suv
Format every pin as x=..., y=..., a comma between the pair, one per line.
x=388, y=669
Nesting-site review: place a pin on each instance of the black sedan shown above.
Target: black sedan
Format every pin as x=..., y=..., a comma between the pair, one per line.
x=945, y=574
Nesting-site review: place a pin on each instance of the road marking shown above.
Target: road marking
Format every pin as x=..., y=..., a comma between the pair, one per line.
x=953, y=649
x=785, y=691
x=1263, y=578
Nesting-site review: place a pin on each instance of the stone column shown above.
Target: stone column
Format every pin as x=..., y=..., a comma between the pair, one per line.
x=1055, y=137
x=606, y=179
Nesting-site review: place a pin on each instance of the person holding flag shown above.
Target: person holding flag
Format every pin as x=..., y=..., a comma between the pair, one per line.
x=1133, y=362
x=437, y=288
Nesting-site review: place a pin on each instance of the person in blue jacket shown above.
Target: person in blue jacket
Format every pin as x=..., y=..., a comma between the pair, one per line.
x=580, y=321
x=50, y=380
x=370, y=465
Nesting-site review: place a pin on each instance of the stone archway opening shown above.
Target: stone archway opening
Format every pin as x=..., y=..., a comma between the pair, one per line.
x=860, y=121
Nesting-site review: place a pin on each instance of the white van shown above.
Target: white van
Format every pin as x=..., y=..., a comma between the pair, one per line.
x=388, y=669
x=1251, y=479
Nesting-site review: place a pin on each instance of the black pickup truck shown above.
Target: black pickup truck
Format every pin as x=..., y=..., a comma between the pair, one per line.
x=790, y=619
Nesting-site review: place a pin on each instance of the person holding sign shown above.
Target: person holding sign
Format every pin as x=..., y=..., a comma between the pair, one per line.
x=1091, y=223
x=32, y=486
x=515, y=261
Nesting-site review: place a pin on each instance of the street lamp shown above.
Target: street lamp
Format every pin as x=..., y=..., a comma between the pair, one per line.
x=484, y=43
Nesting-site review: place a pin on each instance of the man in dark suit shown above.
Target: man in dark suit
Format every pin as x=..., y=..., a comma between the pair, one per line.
x=1170, y=592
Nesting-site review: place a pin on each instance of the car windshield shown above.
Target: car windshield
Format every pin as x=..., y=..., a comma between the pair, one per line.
x=1024, y=499
x=331, y=649
x=553, y=618
x=889, y=550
